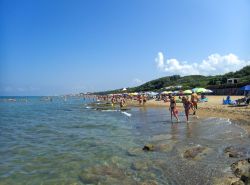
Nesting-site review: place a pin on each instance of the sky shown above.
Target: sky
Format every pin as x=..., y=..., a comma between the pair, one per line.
x=55, y=47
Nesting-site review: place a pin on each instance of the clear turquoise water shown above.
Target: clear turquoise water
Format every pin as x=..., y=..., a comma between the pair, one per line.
x=65, y=142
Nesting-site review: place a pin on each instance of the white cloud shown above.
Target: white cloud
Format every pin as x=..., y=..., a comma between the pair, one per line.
x=160, y=60
x=213, y=65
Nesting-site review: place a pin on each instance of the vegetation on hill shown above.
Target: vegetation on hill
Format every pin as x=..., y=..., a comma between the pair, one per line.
x=189, y=82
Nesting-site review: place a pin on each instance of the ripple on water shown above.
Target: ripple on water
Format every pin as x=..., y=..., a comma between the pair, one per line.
x=221, y=129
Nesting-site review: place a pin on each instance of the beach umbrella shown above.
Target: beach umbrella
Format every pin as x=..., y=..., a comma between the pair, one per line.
x=245, y=88
x=195, y=89
x=198, y=90
x=166, y=92
x=176, y=92
x=187, y=92
x=208, y=91
x=133, y=94
x=152, y=93
x=201, y=90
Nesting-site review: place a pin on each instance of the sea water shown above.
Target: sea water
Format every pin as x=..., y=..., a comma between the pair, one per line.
x=64, y=141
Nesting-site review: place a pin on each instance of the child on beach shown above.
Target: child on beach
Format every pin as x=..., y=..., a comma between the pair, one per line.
x=187, y=106
x=172, y=108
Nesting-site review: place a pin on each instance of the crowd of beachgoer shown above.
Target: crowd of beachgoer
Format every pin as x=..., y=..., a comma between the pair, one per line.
x=122, y=99
x=188, y=104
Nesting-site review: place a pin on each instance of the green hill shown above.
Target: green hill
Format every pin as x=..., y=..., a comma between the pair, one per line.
x=191, y=81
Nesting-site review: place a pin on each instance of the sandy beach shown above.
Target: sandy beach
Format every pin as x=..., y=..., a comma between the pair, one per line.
x=212, y=108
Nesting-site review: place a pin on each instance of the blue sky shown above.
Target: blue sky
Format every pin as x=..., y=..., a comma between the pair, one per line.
x=62, y=46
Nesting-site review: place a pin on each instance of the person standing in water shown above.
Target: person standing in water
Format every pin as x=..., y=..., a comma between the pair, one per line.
x=187, y=106
x=122, y=102
x=144, y=99
x=194, y=101
x=113, y=101
x=140, y=99
x=172, y=108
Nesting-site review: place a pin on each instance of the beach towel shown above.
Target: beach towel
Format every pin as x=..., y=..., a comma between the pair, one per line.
x=203, y=100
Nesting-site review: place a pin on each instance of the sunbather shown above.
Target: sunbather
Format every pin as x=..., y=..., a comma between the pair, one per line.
x=227, y=101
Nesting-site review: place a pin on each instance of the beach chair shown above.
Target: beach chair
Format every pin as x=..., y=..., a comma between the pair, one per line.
x=248, y=101
x=241, y=101
x=244, y=101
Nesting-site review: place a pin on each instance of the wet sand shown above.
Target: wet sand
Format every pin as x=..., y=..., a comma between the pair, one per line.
x=212, y=108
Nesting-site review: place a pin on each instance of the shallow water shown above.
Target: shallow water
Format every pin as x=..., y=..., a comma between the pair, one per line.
x=67, y=142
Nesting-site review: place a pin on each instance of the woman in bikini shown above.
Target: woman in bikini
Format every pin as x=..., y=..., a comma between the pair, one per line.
x=172, y=108
x=187, y=106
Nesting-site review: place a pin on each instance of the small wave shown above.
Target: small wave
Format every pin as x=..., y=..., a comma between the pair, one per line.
x=109, y=110
x=229, y=121
x=88, y=107
x=127, y=114
x=218, y=121
x=244, y=132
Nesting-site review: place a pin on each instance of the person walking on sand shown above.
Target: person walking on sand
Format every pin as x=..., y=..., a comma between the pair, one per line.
x=187, y=106
x=194, y=101
x=172, y=108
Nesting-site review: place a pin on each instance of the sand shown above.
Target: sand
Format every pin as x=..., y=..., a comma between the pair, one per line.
x=213, y=108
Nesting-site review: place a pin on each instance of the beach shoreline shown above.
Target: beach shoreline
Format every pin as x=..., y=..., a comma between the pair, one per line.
x=213, y=108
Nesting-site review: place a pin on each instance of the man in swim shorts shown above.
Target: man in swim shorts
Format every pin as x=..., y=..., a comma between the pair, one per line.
x=194, y=101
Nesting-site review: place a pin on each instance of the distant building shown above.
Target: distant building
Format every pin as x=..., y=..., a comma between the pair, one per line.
x=232, y=80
